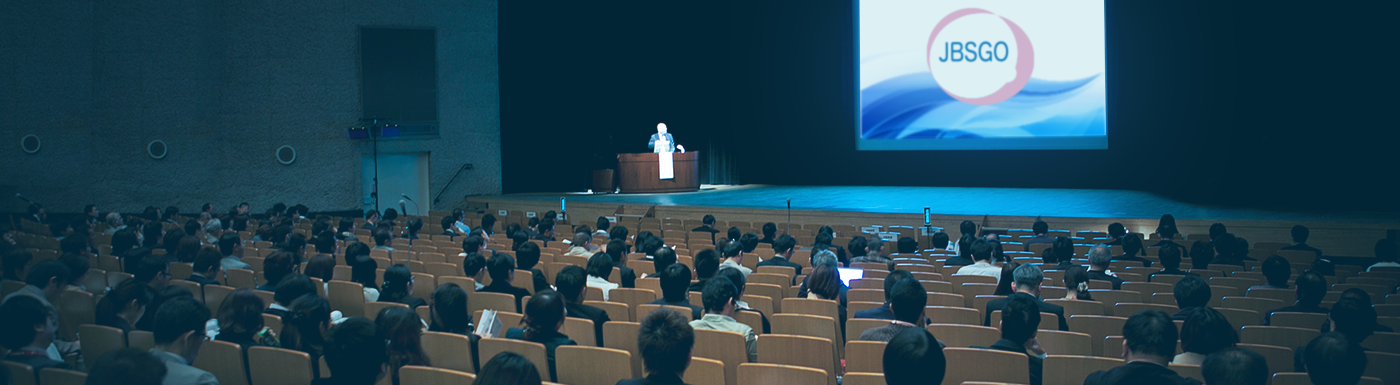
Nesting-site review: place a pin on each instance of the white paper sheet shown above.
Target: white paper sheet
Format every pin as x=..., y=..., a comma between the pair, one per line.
x=668, y=170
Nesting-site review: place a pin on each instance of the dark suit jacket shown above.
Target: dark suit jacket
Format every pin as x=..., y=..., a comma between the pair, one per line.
x=1134, y=373
x=882, y=312
x=540, y=283
x=598, y=316
x=500, y=286
x=654, y=379
x=629, y=277
x=698, y=286
x=1035, y=362
x=1100, y=276
x=780, y=261
x=695, y=311
x=999, y=303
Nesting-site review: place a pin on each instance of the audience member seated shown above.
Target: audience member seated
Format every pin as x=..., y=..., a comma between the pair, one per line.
x=27, y=330
x=906, y=245
x=398, y=286
x=1132, y=247
x=474, y=266
x=161, y=297
x=740, y=282
x=125, y=366
x=600, y=267
x=857, y=248
x=1170, y=257
x=665, y=340
x=179, y=333
x=404, y=331
x=1350, y=317
x=1099, y=258
x=526, y=257
x=1310, y=288
x=1235, y=366
x=1060, y=254
x=16, y=263
x=874, y=252
x=240, y=320
x=1330, y=359
x=1149, y=342
x=1386, y=254
x=1276, y=270
x=1041, y=232
x=383, y=238
x=707, y=224
x=674, y=281
x=355, y=354
x=783, y=249
x=1300, y=240
x=825, y=283
x=232, y=249
x=617, y=250
x=719, y=297
x=502, y=270
x=1020, y=317
x=733, y=257
x=289, y=290
x=363, y=270
x=1005, y=284
x=305, y=326
x=124, y=305
x=663, y=258
x=1226, y=248
x=1027, y=280
x=824, y=258
x=1365, y=300
x=706, y=264
x=544, y=315
x=571, y=282
x=581, y=245
x=1167, y=233
x=208, y=265
x=321, y=267
x=1205, y=332
x=508, y=368
x=823, y=241
x=884, y=312
x=276, y=266
x=981, y=252
x=1191, y=292
x=907, y=299
x=1202, y=254
x=78, y=265
x=914, y=357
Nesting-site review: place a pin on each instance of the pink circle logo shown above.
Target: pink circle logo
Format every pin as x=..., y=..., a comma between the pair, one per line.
x=1024, y=59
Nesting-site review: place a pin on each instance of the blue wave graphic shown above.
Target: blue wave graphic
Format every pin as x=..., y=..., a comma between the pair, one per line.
x=914, y=106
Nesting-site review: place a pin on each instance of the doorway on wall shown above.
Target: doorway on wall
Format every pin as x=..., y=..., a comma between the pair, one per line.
x=403, y=174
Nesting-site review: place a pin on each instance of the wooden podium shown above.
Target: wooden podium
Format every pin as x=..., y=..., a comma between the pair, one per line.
x=641, y=173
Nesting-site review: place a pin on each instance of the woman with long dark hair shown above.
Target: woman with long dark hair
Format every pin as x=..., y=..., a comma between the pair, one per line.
x=1006, y=285
x=544, y=315
x=398, y=285
x=240, y=320
x=305, y=327
x=404, y=331
x=124, y=305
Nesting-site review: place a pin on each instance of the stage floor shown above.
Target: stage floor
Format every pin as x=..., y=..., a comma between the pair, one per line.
x=1072, y=203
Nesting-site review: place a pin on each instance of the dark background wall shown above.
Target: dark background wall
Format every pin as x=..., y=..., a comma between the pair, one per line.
x=1241, y=103
x=225, y=84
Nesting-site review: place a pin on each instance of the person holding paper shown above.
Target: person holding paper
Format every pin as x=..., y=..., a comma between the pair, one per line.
x=662, y=141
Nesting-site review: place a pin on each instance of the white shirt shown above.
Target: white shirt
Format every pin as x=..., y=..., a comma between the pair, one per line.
x=981, y=268
x=594, y=281
x=731, y=264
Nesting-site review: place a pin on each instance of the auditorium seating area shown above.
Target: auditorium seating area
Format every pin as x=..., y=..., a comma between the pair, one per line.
x=805, y=345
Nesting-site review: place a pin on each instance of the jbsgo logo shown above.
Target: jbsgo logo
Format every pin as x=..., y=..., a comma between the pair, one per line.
x=978, y=57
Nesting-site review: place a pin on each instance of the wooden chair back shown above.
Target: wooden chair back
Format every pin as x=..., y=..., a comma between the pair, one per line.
x=727, y=347
x=20, y=374
x=1381, y=365
x=412, y=374
x=799, y=350
x=348, y=297
x=1383, y=342
x=1257, y=304
x=1241, y=317
x=704, y=371
x=865, y=357
x=1303, y=379
x=1065, y=343
x=214, y=296
x=224, y=360
x=962, y=336
x=241, y=278
x=1279, y=359
x=591, y=365
x=1076, y=307
x=276, y=366
x=75, y=308
x=952, y=315
x=631, y=297
x=622, y=335
x=141, y=339
x=966, y=364
x=1071, y=370
x=1097, y=327
x=810, y=326
x=467, y=284
x=581, y=331
x=490, y=347
x=617, y=311
x=1123, y=309
x=448, y=351
x=492, y=301
x=1277, y=336
x=863, y=379
x=54, y=376
x=98, y=340
x=1298, y=320
x=372, y=309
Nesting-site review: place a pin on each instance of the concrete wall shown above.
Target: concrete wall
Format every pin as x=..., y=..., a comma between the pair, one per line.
x=225, y=84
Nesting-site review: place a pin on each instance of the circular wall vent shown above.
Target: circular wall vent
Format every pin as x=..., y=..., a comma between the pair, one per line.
x=156, y=149
x=286, y=154
x=30, y=143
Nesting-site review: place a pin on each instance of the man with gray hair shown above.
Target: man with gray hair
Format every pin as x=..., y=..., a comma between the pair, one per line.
x=212, y=230
x=114, y=223
x=1027, y=279
x=1099, y=257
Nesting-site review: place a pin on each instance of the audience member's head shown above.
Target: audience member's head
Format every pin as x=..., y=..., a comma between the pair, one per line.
x=240, y=313
x=448, y=310
x=1386, y=250
x=719, y=296
x=1099, y=257
x=1216, y=230
x=914, y=357
x=892, y=278
x=527, y=256
x=907, y=245
x=1062, y=249
x=1170, y=256
x=1006, y=282
x=749, y=241
x=78, y=266
x=1020, y=318
x=404, y=331
x=1028, y=278
x=1235, y=366
x=125, y=303
x=908, y=300
x=824, y=258
x=501, y=267
x=733, y=249
x=571, y=280
x=602, y=223
x=1312, y=287
x=618, y=233
x=733, y=234
x=321, y=267
x=473, y=264
x=127, y=366
x=599, y=265
x=939, y=241
x=856, y=246
x=1132, y=244
x=1191, y=291
x=737, y=277
x=355, y=350
x=663, y=258
x=825, y=282
x=1354, y=318
x=229, y=243
x=544, y=314
x=508, y=368
x=27, y=323
x=770, y=230
x=706, y=263
x=1040, y=228
x=1300, y=234
x=364, y=271
x=1116, y=230
x=1207, y=331
x=153, y=270
x=1277, y=270
x=1150, y=335
x=665, y=340
x=1202, y=254
x=306, y=323
x=784, y=245
x=291, y=287
x=473, y=244
x=874, y=247
x=616, y=250
x=1332, y=360
x=397, y=285
x=179, y=326
x=674, y=282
